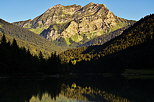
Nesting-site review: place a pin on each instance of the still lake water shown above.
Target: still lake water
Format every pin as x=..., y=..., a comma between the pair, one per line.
x=76, y=89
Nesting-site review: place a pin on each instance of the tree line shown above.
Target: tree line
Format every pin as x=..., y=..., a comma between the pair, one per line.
x=16, y=60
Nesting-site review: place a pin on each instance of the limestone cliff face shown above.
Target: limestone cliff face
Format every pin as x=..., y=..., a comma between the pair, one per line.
x=74, y=23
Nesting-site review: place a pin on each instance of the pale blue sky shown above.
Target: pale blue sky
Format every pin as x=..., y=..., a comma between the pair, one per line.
x=17, y=10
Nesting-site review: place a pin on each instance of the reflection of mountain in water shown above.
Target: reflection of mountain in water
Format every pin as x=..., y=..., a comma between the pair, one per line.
x=79, y=94
x=95, y=89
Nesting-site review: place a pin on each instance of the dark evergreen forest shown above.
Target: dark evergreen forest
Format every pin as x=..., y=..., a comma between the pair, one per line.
x=19, y=60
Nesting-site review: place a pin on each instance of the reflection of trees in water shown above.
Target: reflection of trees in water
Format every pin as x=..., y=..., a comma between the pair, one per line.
x=21, y=90
x=47, y=98
x=69, y=94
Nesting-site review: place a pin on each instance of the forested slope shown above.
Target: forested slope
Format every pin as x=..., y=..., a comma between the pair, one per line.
x=27, y=39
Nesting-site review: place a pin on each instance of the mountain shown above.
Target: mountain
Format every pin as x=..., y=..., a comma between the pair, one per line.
x=73, y=25
x=29, y=40
x=134, y=46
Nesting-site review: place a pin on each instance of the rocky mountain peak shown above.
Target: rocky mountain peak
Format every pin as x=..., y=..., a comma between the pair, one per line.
x=91, y=3
x=74, y=23
x=56, y=6
x=94, y=4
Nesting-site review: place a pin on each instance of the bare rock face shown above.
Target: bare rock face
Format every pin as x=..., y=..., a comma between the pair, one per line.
x=75, y=23
x=71, y=30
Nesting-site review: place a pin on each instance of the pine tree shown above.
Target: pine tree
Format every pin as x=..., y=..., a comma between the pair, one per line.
x=14, y=44
x=3, y=40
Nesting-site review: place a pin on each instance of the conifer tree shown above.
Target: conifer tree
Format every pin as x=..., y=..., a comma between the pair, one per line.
x=3, y=40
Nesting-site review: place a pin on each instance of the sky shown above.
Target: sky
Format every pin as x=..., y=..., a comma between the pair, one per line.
x=19, y=10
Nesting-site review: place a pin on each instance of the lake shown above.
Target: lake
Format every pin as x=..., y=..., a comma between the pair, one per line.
x=76, y=89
